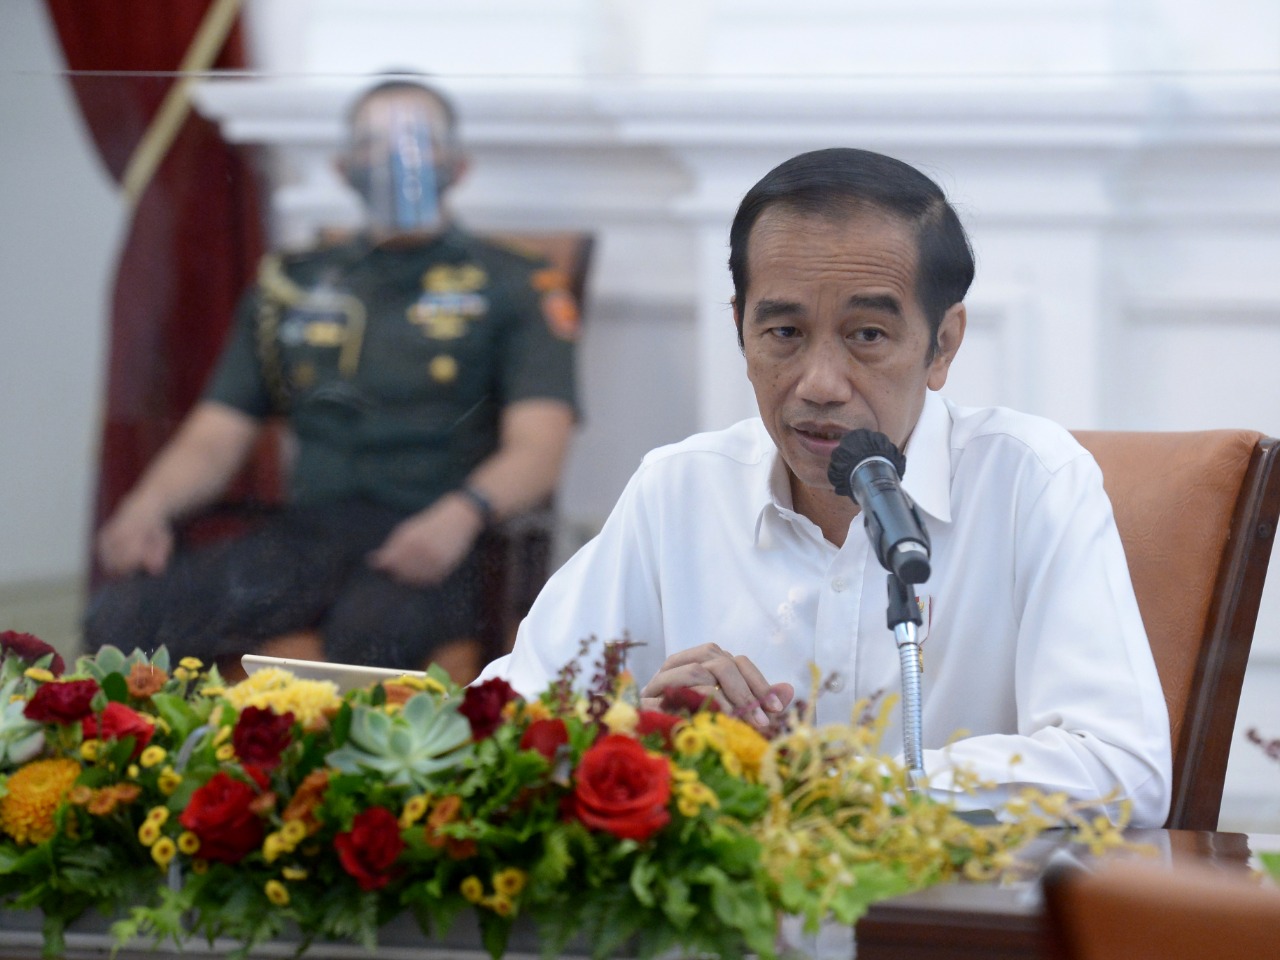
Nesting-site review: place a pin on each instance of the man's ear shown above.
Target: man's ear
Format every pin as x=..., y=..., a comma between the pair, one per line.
x=457, y=165
x=950, y=336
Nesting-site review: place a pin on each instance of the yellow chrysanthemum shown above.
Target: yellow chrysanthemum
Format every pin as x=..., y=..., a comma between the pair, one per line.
x=132, y=771
x=277, y=893
x=421, y=683
x=415, y=808
x=225, y=753
x=293, y=873
x=293, y=832
x=152, y=756
x=169, y=781
x=158, y=815
x=472, y=889
x=621, y=717
x=689, y=741
x=199, y=866
x=148, y=833
x=279, y=690
x=687, y=807
x=191, y=663
x=163, y=851
x=499, y=904
x=740, y=745
x=510, y=881
x=188, y=842
x=89, y=750
x=273, y=846
x=536, y=710
x=34, y=793
x=693, y=795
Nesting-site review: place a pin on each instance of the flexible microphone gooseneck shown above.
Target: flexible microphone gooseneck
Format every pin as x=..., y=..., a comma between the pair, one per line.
x=868, y=467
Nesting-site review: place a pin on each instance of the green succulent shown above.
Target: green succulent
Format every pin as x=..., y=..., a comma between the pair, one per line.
x=20, y=739
x=407, y=747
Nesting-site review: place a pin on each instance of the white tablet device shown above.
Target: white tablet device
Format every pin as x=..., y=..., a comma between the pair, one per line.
x=348, y=676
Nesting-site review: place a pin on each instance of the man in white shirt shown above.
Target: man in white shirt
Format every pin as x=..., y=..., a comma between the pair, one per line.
x=735, y=563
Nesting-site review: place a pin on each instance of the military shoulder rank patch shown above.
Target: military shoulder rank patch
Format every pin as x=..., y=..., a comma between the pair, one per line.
x=559, y=308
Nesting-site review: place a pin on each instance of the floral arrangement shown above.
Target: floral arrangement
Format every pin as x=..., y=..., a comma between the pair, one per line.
x=1270, y=859
x=186, y=808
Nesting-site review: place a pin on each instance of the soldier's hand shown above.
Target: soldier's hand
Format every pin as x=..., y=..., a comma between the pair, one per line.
x=428, y=546
x=137, y=537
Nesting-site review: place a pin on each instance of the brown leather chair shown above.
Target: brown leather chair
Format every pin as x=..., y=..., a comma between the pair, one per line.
x=1130, y=910
x=1197, y=514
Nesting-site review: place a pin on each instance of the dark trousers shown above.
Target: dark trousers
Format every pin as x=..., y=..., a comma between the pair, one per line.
x=302, y=568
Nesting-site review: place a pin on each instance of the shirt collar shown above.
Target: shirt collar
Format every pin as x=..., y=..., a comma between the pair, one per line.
x=927, y=478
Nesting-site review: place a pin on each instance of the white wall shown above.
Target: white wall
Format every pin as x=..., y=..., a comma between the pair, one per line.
x=1117, y=161
x=60, y=221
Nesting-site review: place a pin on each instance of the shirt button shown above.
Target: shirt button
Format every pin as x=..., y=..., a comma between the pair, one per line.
x=836, y=683
x=838, y=584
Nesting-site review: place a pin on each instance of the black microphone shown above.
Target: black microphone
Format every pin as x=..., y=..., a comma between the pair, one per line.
x=868, y=467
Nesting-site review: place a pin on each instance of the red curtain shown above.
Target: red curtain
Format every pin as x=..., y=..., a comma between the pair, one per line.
x=195, y=237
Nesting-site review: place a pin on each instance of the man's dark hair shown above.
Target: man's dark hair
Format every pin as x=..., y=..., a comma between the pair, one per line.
x=395, y=81
x=837, y=182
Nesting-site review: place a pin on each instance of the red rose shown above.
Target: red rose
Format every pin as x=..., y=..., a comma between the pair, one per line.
x=65, y=703
x=482, y=706
x=30, y=648
x=261, y=735
x=620, y=789
x=118, y=722
x=545, y=736
x=369, y=849
x=220, y=813
x=654, y=721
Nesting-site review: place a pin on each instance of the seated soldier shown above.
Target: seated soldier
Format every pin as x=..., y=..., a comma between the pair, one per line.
x=427, y=376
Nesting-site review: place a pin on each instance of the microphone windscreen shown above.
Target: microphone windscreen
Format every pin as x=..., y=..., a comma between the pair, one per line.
x=856, y=446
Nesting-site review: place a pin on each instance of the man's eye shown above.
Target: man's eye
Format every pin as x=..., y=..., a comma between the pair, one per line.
x=783, y=333
x=868, y=335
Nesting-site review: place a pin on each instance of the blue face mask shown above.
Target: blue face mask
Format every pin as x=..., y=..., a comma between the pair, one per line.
x=397, y=175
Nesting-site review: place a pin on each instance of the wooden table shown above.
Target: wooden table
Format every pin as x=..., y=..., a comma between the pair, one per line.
x=968, y=921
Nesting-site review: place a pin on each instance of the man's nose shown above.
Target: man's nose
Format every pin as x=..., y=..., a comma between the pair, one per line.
x=826, y=377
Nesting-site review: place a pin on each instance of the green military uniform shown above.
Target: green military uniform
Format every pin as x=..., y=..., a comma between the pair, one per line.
x=393, y=365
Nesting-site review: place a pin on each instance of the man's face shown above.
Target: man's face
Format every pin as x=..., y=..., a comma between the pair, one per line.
x=834, y=336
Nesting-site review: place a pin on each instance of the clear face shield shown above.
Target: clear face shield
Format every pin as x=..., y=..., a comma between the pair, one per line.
x=397, y=163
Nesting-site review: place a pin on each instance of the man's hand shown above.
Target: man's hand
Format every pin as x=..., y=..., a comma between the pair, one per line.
x=137, y=537
x=427, y=547
x=735, y=682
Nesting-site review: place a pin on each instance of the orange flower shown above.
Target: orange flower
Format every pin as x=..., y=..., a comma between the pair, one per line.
x=306, y=798
x=35, y=793
x=104, y=801
x=144, y=680
x=445, y=811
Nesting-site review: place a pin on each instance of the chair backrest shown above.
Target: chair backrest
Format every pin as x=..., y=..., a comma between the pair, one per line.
x=1197, y=514
x=1130, y=910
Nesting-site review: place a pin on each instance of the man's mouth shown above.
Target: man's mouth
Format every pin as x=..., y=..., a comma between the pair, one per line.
x=821, y=433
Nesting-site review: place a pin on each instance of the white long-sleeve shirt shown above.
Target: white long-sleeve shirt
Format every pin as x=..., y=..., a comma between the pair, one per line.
x=1032, y=643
